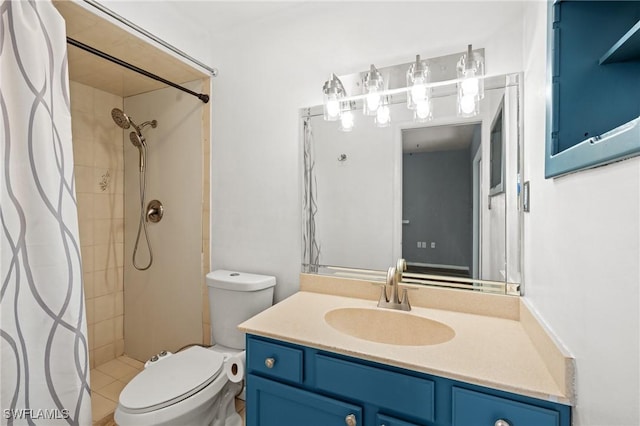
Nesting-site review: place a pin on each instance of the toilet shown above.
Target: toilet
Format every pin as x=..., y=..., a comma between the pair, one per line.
x=190, y=387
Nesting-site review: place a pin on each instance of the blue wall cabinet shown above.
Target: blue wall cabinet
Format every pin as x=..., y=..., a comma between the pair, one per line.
x=296, y=385
x=593, y=115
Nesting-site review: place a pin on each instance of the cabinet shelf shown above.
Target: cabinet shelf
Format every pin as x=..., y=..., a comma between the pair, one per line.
x=627, y=48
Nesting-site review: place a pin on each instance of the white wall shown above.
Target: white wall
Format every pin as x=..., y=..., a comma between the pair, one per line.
x=274, y=63
x=271, y=69
x=581, y=237
x=354, y=196
x=582, y=253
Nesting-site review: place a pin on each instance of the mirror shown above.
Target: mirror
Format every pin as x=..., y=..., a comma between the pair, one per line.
x=443, y=194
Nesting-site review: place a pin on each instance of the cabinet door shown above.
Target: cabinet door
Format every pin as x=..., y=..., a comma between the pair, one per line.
x=472, y=408
x=276, y=404
x=382, y=420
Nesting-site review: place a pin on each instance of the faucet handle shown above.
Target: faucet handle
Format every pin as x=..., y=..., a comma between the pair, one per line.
x=383, y=295
x=392, y=275
x=401, y=266
x=404, y=302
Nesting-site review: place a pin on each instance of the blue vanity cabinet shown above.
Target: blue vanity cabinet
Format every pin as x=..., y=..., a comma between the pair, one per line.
x=290, y=384
x=472, y=408
x=277, y=404
x=382, y=420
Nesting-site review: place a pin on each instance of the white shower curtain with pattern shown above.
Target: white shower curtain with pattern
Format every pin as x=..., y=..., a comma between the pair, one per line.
x=43, y=332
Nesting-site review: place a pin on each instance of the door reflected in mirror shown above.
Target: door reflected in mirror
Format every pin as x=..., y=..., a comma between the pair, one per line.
x=438, y=233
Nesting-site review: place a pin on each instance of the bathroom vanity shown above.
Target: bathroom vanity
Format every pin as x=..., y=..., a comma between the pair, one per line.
x=298, y=385
x=497, y=369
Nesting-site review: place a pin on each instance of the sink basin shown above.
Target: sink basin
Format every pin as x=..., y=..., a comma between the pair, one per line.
x=391, y=327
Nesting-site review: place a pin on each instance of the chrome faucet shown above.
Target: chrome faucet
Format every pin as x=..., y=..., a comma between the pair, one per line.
x=394, y=277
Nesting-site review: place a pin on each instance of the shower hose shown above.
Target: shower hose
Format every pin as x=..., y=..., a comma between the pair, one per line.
x=142, y=224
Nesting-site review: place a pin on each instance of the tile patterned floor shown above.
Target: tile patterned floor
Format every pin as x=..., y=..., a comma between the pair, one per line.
x=240, y=408
x=108, y=380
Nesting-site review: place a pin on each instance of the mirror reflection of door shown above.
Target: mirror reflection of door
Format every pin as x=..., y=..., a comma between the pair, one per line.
x=440, y=199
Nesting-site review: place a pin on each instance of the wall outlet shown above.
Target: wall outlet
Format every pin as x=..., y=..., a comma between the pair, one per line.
x=424, y=244
x=419, y=244
x=433, y=244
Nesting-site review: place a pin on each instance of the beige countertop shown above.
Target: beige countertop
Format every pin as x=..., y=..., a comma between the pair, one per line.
x=489, y=351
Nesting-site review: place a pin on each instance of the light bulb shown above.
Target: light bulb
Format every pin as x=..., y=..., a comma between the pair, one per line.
x=467, y=104
x=418, y=92
x=346, y=121
x=423, y=109
x=383, y=116
x=373, y=101
x=333, y=108
x=470, y=86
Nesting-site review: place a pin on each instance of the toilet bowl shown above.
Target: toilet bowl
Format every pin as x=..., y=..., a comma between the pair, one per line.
x=190, y=388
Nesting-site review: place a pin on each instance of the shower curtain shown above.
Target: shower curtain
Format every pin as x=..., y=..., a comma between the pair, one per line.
x=43, y=345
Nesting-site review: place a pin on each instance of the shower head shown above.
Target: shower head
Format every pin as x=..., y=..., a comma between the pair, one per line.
x=138, y=141
x=120, y=118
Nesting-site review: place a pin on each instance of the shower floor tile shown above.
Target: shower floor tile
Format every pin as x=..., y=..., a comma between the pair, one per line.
x=118, y=369
x=101, y=407
x=240, y=408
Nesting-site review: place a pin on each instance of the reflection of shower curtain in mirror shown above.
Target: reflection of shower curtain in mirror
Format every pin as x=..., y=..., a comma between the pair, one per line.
x=310, y=247
x=43, y=344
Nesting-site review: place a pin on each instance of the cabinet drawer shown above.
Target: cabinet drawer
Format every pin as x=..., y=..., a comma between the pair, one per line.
x=277, y=361
x=395, y=392
x=276, y=404
x=477, y=409
x=382, y=420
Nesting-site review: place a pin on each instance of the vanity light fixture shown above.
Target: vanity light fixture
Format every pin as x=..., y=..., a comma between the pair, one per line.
x=418, y=93
x=423, y=111
x=462, y=72
x=383, y=114
x=346, y=116
x=470, y=70
x=333, y=93
x=372, y=87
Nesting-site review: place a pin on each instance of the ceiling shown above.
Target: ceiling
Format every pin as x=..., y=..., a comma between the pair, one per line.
x=86, y=68
x=438, y=138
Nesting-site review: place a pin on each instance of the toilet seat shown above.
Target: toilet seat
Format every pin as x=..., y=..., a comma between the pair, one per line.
x=172, y=380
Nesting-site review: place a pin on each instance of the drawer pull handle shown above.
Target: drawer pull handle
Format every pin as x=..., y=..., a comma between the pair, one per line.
x=350, y=420
x=270, y=362
x=502, y=422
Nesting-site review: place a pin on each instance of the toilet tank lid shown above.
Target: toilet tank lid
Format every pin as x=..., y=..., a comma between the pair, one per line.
x=239, y=281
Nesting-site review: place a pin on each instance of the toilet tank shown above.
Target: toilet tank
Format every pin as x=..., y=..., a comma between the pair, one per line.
x=234, y=297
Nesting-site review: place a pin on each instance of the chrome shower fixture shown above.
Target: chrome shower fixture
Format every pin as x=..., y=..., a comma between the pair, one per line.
x=139, y=141
x=120, y=118
x=125, y=122
x=136, y=138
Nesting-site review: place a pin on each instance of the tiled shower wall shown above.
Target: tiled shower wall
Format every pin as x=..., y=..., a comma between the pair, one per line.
x=99, y=179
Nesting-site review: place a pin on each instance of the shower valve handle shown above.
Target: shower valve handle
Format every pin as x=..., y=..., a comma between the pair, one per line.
x=155, y=211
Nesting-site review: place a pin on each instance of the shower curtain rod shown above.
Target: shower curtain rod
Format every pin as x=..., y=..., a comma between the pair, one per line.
x=203, y=97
